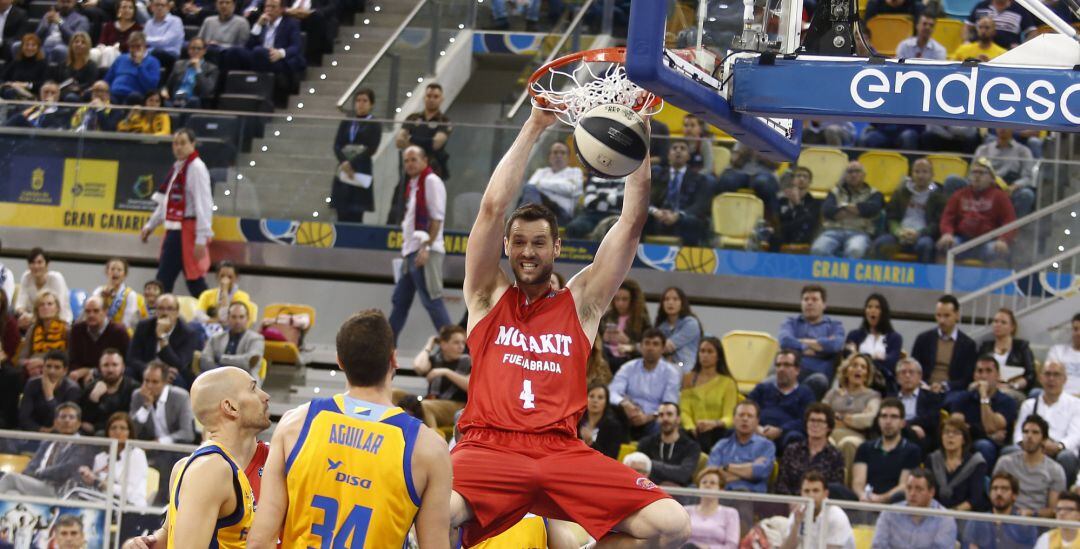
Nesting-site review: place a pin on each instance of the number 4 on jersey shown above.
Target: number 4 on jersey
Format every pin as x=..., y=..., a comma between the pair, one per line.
x=528, y=399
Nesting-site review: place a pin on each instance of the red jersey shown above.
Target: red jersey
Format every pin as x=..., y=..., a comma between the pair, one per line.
x=254, y=468
x=529, y=365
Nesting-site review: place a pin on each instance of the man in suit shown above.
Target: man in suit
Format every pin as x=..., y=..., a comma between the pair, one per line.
x=14, y=22
x=680, y=199
x=56, y=462
x=192, y=80
x=273, y=46
x=161, y=412
x=237, y=346
x=946, y=353
x=165, y=337
x=922, y=408
x=355, y=142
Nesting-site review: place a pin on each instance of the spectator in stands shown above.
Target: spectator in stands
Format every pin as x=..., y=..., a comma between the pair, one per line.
x=117, y=32
x=989, y=412
x=817, y=338
x=47, y=332
x=833, y=134
x=192, y=81
x=744, y=458
x=13, y=24
x=783, y=401
x=318, y=18
x=597, y=369
x=187, y=214
x=749, y=169
x=681, y=328
x=639, y=462
x=99, y=114
x=236, y=345
x=422, y=246
x=900, y=530
x=602, y=200
x=164, y=34
x=854, y=404
x=7, y=282
x=57, y=27
x=914, y=215
x=946, y=351
x=624, y=323
x=922, y=408
x=274, y=45
x=598, y=427
x=712, y=524
x=962, y=139
x=1013, y=355
x=36, y=279
x=815, y=455
x=149, y=119
x=850, y=213
x=1041, y=479
x=1069, y=357
x=43, y=395
x=1061, y=411
x=78, y=72
x=673, y=452
x=642, y=384
x=429, y=129
x=23, y=76
x=108, y=392
x=980, y=534
x=1012, y=21
x=56, y=462
x=1067, y=508
x=531, y=8
x=133, y=72
x=960, y=471
x=12, y=377
x=709, y=394
x=681, y=199
x=700, y=141
x=227, y=30
x=890, y=136
x=835, y=523
x=798, y=213
x=557, y=185
x=221, y=298
x=355, y=143
x=123, y=305
x=876, y=338
x=130, y=464
x=976, y=209
x=922, y=45
x=91, y=336
x=882, y=465
x=42, y=115
x=165, y=338
x=162, y=412
x=1014, y=164
x=982, y=47
x=910, y=8
x=151, y=291
x=447, y=367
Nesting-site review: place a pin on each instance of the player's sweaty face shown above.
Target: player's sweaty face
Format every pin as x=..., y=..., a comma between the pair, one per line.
x=532, y=251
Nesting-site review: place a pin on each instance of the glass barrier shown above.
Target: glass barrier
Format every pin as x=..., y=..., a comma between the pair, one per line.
x=724, y=519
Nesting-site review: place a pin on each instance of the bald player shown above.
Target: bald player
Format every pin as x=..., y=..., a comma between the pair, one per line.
x=211, y=503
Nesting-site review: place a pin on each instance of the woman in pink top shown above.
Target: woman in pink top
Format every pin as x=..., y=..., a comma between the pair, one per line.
x=712, y=525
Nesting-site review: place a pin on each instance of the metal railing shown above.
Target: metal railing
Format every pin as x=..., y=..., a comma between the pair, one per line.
x=343, y=101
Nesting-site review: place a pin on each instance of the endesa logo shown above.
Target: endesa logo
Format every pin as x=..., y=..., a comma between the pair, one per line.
x=965, y=94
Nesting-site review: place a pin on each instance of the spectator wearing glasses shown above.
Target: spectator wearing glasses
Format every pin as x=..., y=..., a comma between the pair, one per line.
x=44, y=114
x=133, y=72
x=979, y=533
x=1062, y=412
x=165, y=338
x=99, y=114
x=1067, y=508
x=56, y=462
x=960, y=471
x=193, y=80
x=850, y=216
x=164, y=34
x=975, y=210
x=813, y=455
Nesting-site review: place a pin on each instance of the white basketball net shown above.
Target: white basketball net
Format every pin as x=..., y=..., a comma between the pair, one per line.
x=571, y=93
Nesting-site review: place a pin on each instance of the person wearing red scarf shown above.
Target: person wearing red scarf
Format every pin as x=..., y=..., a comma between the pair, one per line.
x=185, y=207
x=422, y=243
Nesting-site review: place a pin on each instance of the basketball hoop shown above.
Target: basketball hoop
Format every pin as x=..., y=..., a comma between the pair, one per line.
x=571, y=85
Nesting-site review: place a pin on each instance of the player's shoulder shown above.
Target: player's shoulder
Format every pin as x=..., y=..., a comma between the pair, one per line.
x=293, y=419
x=212, y=469
x=430, y=445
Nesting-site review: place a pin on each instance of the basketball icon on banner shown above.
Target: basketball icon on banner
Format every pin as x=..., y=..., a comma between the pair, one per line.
x=611, y=140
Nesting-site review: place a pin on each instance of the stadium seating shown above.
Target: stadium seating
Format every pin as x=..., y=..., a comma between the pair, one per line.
x=78, y=299
x=884, y=170
x=250, y=83
x=886, y=32
x=721, y=159
x=949, y=33
x=626, y=449
x=734, y=217
x=188, y=306
x=749, y=356
x=946, y=165
x=153, y=480
x=959, y=9
x=287, y=352
x=827, y=165
x=13, y=463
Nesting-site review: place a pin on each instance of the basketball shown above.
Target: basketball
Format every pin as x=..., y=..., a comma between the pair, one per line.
x=315, y=234
x=696, y=260
x=610, y=140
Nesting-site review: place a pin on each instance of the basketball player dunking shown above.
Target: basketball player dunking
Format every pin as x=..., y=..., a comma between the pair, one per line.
x=519, y=450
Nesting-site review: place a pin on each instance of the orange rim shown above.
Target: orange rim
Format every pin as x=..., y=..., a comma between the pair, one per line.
x=602, y=55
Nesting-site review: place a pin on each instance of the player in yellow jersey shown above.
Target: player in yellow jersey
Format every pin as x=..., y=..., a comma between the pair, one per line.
x=210, y=499
x=354, y=470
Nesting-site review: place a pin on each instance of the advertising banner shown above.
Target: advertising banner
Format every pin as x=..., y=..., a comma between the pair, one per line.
x=36, y=526
x=32, y=179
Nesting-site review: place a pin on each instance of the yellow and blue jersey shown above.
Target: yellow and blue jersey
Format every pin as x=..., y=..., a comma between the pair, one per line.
x=529, y=533
x=349, y=476
x=230, y=532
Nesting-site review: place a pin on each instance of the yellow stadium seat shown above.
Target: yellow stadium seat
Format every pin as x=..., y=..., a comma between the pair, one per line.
x=864, y=536
x=884, y=170
x=663, y=240
x=153, y=478
x=749, y=356
x=827, y=165
x=188, y=306
x=949, y=33
x=734, y=216
x=626, y=449
x=702, y=462
x=286, y=352
x=887, y=31
x=946, y=165
x=13, y=463
x=721, y=159
x=781, y=168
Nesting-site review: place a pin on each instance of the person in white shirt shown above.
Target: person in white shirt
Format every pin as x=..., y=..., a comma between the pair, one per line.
x=557, y=185
x=129, y=477
x=422, y=246
x=7, y=280
x=805, y=535
x=36, y=279
x=1069, y=356
x=1062, y=411
x=922, y=46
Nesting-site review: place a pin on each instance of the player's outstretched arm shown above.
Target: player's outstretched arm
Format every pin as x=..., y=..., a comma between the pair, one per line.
x=433, y=479
x=208, y=486
x=596, y=284
x=273, y=492
x=483, y=277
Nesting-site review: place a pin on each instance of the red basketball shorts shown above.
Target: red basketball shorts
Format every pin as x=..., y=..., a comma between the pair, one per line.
x=504, y=475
